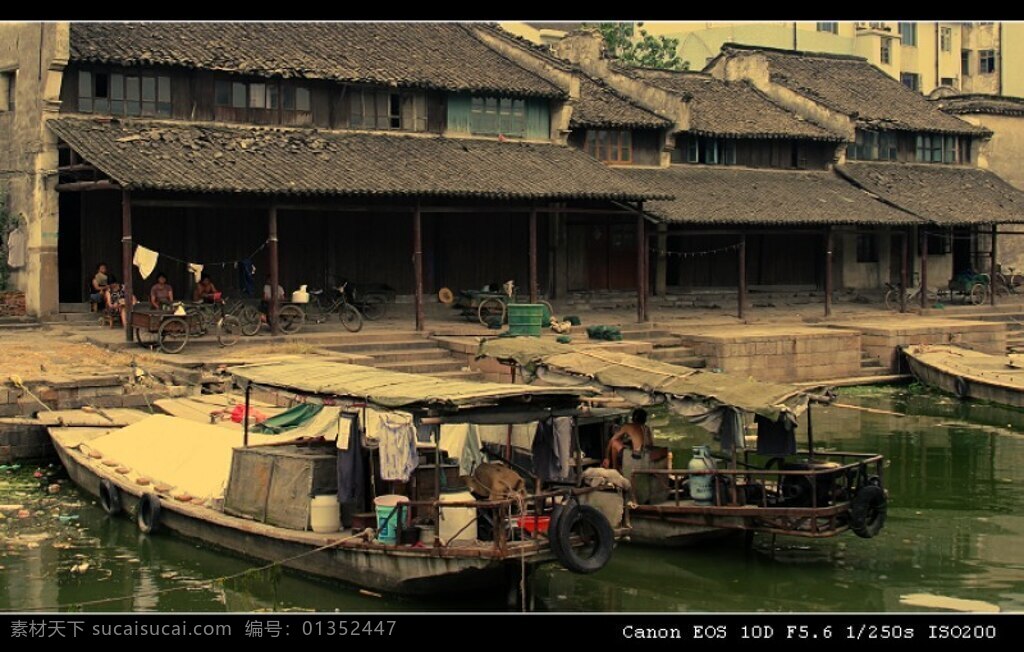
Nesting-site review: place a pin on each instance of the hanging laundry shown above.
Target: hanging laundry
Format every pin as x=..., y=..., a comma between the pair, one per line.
x=351, y=475
x=563, y=443
x=197, y=271
x=775, y=437
x=145, y=260
x=462, y=442
x=545, y=452
x=247, y=277
x=16, y=241
x=397, y=436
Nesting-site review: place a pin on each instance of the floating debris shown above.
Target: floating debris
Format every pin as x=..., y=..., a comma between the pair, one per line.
x=934, y=601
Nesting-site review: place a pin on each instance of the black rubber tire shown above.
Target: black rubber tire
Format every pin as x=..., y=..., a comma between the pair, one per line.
x=229, y=329
x=290, y=319
x=603, y=539
x=148, y=516
x=250, y=318
x=868, y=511
x=374, y=307
x=556, y=515
x=892, y=299
x=978, y=294
x=173, y=335
x=145, y=338
x=110, y=498
x=351, y=318
x=490, y=308
x=960, y=387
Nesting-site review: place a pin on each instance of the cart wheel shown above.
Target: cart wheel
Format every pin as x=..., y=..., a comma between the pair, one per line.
x=228, y=330
x=374, y=307
x=350, y=318
x=173, y=335
x=290, y=319
x=979, y=293
x=490, y=310
x=250, y=318
x=145, y=338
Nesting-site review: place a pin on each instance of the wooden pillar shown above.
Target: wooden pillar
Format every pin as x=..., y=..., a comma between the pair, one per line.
x=904, y=269
x=641, y=246
x=647, y=271
x=924, y=268
x=828, y=271
x=992, y=272
x=417, y=265
x=741, y=295
x=275, y=271
x=661, y=262
x=126, y=259
x=533, y=255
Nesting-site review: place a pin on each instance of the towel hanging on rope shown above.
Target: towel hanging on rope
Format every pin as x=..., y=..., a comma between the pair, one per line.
x=145, y=259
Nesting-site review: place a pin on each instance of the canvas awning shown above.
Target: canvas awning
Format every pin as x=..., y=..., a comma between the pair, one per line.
x=391, y=389
x=645, y=381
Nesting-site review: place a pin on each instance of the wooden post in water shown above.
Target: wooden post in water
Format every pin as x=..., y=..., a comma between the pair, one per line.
x=275, y=271
x=741, y=295
x=126, y=260
x=924, y=269
x=828, y=271
x=417, y=264
x=992, y=274
x=533, y=256
x=904, y=270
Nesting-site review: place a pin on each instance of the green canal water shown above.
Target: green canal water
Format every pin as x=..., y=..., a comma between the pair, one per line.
x=956, y=529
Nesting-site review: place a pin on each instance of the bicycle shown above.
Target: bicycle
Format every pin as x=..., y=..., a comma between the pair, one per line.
x=892, y=294
x=1006, y=283
x=246, y=314
x=350, y=316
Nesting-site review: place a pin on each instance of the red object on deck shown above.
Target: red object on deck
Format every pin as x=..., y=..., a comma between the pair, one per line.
x=534, y=524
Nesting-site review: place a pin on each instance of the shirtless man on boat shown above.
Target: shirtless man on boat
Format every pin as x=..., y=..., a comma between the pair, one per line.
x=635, y=435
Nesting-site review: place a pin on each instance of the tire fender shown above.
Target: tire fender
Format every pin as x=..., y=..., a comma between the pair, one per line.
x=148, y=517
x=868, y=511
x=110, y=498
x=567, y=521
x=961, y=387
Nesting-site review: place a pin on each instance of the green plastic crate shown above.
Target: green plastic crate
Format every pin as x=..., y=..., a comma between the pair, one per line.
x=525, y=319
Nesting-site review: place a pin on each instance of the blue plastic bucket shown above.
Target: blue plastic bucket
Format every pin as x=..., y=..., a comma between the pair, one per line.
x=388, y=519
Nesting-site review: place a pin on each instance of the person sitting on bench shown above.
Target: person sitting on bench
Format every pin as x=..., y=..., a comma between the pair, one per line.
x=635, y=435
x=161, y=295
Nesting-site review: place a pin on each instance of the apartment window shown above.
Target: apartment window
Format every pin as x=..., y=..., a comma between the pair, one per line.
x=873, y=146
x=831, y=28
x=935, y=148
x=946, y=39
x=121, y=94
x=886, y=53
x=986, y=61
x=867, y=248
x=965, y=63
x=8, y=83
x=494, y=116
x=948, y=81
x=911, y=80
x=609, y=146
x=908, y=33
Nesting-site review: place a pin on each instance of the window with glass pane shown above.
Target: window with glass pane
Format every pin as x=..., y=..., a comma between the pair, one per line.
x=886, y=53
x=987, y=61
x=85, y=91
x=257, y=96
x=908, y=33
x=965, y=63
x=163, y=95
x=867, y=248
x=692, y=150
x=148, y=95
x=936, y=149
x=132, y=96
x=394, y=111
x=222, y=93
x=238, y=99
x=302, y=99
x=949, y=151
x=946, y=38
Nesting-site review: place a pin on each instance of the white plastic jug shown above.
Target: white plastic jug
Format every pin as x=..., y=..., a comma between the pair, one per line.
x=457, y=523
x=325, y=513
x=701, y=489
x=300, y=295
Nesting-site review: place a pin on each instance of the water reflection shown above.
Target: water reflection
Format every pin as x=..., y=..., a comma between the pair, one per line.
x=955, y=529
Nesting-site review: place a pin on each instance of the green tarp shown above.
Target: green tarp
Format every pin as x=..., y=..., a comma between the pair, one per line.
x=289, y=419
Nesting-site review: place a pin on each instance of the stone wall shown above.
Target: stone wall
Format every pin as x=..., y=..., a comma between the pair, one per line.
x=778, y=353
x=883, y=338
x=24, y=439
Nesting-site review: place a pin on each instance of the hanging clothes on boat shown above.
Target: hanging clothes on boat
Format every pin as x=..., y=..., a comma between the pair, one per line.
x=461, y=442
x=351, y=476
x=546, y=463
x=396, y=434
x=563, y=443
x=730, y=433
x=775, y=437
x=145, y=260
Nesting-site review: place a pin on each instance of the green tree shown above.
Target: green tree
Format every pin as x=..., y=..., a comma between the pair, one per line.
x=633, y=45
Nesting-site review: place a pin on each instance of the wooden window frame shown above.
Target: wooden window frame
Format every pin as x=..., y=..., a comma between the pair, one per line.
x=610, y=146
x=867, y=248
x=885, y=50
x=989, y=57
x=8, y=90
x=965, y=63
x=497, y=116
x=946, y=39
x=126, y=93
x=908, y=28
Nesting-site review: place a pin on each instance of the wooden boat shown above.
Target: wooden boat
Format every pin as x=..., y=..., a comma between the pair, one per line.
x=804, y=493
x=465, y=566
x=968, y=374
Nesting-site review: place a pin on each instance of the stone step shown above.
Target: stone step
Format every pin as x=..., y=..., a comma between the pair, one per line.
x=73, y=307
x=74, y=317
x=672, y=354
x=429, y=367
x=459, y=375
x=369, y=347
x=432, y=354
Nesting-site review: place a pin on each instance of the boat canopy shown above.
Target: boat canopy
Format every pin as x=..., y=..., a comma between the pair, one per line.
x=393, y=390
x=643, y=381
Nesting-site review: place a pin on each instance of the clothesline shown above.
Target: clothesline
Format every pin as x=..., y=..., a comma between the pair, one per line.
x=224, y=263
x=694, y=254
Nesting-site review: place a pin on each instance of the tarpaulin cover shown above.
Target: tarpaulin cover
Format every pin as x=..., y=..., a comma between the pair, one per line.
x=290, y=418
x=392, y=389
x=644, y=381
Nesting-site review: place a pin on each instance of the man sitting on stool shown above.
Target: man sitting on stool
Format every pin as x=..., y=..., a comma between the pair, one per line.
x=634, y=435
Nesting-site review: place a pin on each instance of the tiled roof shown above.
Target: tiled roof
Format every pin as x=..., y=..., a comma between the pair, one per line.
x=191, y=157
x=707, y=194
x=854, y=87
x=947, y=194
x=977, y=103
x=731, y=108
x=602, y=106
x=445, y=56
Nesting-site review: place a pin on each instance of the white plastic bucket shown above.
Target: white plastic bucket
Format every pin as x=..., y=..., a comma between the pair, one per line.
x=457, y=523
x=325, y=513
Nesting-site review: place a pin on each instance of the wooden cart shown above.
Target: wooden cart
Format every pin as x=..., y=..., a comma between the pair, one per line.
x=172, y=332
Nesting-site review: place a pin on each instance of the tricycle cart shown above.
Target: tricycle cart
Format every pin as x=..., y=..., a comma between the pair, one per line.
x=490, y=307
x=171, y=332
x=972, y=288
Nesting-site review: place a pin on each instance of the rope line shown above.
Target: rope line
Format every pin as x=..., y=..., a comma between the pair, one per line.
x=694, y=254
x=224, y=263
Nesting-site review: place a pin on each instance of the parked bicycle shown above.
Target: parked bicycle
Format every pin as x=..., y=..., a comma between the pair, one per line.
x=1007, y=282
x=323, y=305
x=247, y=315
x=892, y=294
